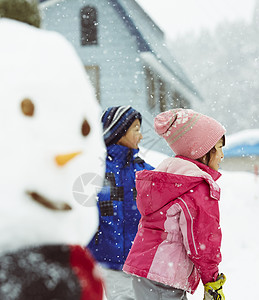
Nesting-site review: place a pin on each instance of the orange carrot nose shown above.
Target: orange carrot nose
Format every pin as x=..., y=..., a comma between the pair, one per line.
x=62, y=159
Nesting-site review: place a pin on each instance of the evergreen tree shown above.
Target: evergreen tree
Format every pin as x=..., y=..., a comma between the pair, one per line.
x=21, y=10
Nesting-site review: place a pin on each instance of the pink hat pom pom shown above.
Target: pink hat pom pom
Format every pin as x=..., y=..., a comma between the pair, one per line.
x=163, y=121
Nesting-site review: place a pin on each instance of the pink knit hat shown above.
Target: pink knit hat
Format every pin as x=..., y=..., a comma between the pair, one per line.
x=187, y=132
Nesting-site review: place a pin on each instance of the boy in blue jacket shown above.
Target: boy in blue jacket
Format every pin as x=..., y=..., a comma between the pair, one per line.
x=118, y=213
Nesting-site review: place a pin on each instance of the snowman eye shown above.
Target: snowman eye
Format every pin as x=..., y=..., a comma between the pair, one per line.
x=27, y=107
x=85, y=129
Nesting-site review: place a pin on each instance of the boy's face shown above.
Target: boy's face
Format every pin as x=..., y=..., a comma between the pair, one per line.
x=132, y=137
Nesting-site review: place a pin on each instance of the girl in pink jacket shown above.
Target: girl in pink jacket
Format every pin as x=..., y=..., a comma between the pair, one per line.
x=179, y=235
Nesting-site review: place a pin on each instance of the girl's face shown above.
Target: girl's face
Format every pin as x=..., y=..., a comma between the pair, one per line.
x=216, y=155
x=132, y=137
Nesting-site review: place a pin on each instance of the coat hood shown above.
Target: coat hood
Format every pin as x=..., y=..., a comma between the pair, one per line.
x=171, y=179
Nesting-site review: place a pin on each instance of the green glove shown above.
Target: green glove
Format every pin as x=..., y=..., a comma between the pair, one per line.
x=213, y=290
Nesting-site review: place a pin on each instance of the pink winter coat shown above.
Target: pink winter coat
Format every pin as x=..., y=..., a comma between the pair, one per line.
x=179, y=236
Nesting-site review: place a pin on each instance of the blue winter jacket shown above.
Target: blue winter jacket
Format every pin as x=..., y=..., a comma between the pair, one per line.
x=118, y=213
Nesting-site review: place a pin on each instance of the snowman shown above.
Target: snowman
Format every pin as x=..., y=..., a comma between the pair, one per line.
x=52, y=155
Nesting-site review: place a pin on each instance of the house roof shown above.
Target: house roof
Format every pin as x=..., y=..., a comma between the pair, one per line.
x=243, y=143
x=135, y=17
x=150, y=40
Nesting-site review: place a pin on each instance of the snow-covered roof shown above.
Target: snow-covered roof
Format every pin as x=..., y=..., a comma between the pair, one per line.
x=243, y=143
x=149, y=33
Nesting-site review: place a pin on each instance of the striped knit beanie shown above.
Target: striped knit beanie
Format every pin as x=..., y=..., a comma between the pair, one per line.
x=116, y=121
x=187, y=132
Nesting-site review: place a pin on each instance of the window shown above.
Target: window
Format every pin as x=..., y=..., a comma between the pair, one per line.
x=88, y=26
x=179, y=101
x=162, y=95
x=94, y=75
x=150, y=81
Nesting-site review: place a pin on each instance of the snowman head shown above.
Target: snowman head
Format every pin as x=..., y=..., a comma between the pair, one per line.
x=52, y=150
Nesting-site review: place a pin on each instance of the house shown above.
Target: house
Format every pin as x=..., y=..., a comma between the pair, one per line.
x=242, y=151
x=125, y=55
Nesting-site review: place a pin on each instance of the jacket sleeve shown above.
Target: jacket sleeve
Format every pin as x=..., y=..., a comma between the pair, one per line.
x=140, y=164
x=148, y=166
x=199, y=223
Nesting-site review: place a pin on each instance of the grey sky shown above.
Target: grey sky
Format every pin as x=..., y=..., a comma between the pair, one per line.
x=176, y=17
